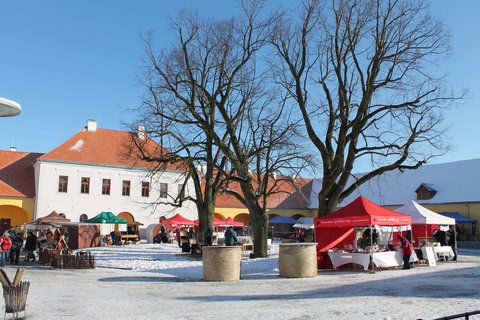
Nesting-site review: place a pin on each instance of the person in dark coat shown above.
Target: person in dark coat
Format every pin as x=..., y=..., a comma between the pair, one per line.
x=452, y=241
x=30, y=246
x=113, y=235
x=441, y=236
x=208, y=237
x=230, y=237
x=407, y=251
x=17, y=244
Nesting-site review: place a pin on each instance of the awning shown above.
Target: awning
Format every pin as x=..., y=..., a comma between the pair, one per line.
x=459, y=218
x=279, y=220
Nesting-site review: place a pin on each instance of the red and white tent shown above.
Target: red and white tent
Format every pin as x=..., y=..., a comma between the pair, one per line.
x=362, y=212
x=230, y=222
x=178, y=220
x=338, y=228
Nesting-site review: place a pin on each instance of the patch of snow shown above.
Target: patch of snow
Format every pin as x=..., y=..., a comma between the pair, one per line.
x=157, y=281
x=77, y=147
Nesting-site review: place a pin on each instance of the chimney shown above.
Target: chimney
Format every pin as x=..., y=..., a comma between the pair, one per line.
x=141, y=132
x=13, y=149
x=91, y=125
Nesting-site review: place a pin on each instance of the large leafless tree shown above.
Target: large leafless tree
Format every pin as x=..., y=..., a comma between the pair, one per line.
x=208, y=96
x=362, y=74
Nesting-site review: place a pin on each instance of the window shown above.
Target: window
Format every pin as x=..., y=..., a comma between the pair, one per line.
x=145, y=189
x=126, y=188
x=62, y=184
x=181, y=191
x=106, y=186
x=83, y=217
x=85, y=185
x=163, y=190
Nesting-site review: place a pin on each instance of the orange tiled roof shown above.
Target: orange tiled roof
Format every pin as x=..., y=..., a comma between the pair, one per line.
x=107, y=147
x=17, y=174
x=287, y=196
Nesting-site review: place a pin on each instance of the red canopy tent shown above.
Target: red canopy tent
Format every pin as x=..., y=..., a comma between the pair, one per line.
x=178, y=220
x=337, y=228
x=230, y=222
x=216, y=222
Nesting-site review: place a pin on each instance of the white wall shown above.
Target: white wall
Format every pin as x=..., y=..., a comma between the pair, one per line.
x=73, y=203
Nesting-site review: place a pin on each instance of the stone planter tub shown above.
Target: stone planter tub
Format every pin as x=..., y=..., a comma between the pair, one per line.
x=221, y=263
x=298, y=260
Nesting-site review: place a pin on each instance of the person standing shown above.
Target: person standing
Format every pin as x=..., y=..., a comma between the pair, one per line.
x=17, y=244
x=452, y=241
x=407, y=251
x=230, y=237
x=208, y=237
x=2, y=260
x=6, y=246
x=30, y=246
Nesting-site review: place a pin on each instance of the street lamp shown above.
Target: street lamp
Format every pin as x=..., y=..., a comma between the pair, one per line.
x=9, y=108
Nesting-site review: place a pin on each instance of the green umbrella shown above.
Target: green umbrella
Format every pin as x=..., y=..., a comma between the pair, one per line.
x=106, y=217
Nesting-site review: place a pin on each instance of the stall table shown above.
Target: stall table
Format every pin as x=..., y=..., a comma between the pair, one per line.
x=445, y=252
x=386, y=259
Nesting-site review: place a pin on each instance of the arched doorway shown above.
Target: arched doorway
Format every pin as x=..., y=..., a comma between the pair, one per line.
x=12, y=216
x=297, y=216
x=132, y=225
x=219, y=216
x=243, y=217
x=272, y=215
x=127, y=216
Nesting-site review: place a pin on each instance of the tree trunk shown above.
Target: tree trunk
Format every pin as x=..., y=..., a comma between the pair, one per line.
x=326, y=206
x=206, y=216
x=260, y=233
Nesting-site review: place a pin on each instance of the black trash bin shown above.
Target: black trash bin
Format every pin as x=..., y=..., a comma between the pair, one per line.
x=186, y=247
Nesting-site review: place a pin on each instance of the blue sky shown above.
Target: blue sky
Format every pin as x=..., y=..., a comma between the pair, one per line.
x=69, y=61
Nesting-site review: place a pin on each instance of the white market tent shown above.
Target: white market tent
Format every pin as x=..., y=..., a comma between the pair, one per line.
x=422, y=215
x=304, y=223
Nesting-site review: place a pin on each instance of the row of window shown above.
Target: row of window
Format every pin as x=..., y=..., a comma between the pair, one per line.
x=107, y=183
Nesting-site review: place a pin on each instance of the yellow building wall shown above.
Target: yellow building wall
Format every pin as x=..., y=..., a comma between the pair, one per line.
x=240, y=213
x=18, y=210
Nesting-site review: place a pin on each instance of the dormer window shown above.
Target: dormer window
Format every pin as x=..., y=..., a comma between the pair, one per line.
x=425, y=192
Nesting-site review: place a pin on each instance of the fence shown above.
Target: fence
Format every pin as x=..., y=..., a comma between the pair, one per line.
x=69, y=261
x=465, y=315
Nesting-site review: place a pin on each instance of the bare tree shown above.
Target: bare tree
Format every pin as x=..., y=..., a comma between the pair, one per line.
x=212, y=103
x=359, y=72
x=176, y=115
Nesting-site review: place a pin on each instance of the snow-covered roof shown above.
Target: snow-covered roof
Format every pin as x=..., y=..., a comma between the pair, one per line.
x=454, y=182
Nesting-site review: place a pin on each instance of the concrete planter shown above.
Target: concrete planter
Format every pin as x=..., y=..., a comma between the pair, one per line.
x=298, y=260
x=221, y=263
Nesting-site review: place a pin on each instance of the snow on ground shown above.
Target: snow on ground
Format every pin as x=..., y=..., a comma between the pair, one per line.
x=159, y=282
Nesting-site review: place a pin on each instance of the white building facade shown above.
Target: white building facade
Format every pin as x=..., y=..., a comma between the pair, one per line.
x=80, y=181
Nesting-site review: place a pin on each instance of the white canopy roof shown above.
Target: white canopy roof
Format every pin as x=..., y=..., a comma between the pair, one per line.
x=304, y=223
x=421, y=215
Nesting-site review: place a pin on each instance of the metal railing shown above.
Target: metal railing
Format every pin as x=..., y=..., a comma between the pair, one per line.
x=465, y=315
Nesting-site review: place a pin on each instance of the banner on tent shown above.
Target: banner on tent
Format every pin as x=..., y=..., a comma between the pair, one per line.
x=393, y=228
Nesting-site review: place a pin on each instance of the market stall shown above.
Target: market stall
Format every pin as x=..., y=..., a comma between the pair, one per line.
x=359, y=233
x=461, y=221
x=306, y=226
x=109, y=226
x=425, y=223
x=281, y=227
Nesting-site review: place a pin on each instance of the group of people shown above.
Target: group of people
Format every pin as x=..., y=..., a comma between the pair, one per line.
x=230, y=237
x=11, y=244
